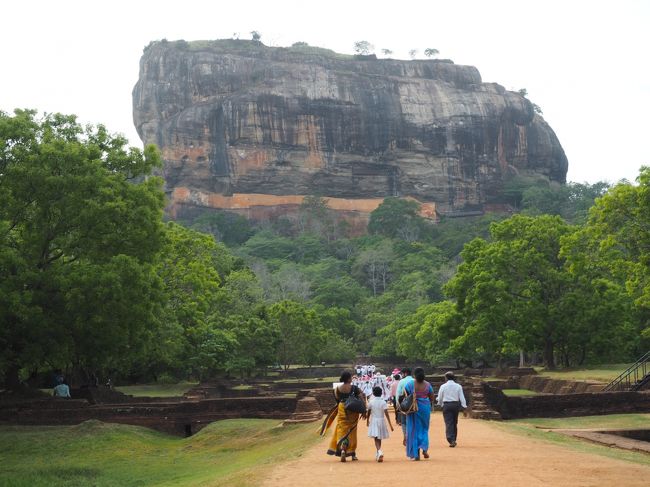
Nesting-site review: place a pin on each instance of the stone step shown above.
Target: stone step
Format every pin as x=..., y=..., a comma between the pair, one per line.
x=297, y=418
x=310, y=416
x=298, y=421
x=487, y=416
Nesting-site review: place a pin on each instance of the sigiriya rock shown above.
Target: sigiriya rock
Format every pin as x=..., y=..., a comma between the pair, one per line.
x=252, y=129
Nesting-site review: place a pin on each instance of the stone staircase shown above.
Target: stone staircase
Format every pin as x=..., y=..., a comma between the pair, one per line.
x=325, y=398
x=307, y=410
x=478, y=407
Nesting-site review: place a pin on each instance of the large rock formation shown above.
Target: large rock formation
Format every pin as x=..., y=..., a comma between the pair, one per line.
x=252, y=128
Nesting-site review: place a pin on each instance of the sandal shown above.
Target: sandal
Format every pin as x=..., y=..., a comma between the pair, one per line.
x=425, y=454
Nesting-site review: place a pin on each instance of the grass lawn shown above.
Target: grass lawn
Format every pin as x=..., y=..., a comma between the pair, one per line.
x=157, y=390
x=519, y=392
x=537, y=428
x=233, y=453
x=602, y=373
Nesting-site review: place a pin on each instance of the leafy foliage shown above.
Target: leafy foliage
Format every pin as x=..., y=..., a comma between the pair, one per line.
x=92, y=281
x=78, y=235
x=363, y=48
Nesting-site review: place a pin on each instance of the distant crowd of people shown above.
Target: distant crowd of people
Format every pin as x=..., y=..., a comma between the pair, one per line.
x=369, y=395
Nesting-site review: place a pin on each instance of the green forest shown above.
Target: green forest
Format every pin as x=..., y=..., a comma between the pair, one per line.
x=95, y=280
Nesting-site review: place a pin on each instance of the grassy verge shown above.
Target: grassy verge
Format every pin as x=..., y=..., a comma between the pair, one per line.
x=234, y=453
x=157, y=390
x=536, y=429
x=602, y=373
x=519, y=392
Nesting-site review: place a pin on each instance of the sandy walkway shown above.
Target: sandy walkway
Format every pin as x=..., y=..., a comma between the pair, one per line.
x=485, y=456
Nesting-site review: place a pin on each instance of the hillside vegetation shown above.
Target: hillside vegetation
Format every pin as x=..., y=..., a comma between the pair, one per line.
x=94, y=281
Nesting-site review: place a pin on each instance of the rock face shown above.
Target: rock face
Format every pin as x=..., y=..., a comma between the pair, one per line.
x=251, y=128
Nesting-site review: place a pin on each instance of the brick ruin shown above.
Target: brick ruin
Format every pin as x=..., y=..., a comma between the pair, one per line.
x=306, y=401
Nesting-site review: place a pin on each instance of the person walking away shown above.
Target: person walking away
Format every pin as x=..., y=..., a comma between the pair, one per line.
x=377, y=410
x=417, y=423
x=393, y=395
x=344, y=439
x=452, y=400
x=406, y=379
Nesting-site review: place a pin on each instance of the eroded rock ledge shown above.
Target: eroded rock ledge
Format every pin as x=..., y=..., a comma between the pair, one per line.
x=236, y=118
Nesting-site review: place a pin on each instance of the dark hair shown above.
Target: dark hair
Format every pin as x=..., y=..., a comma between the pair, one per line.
x=346, y=376
x=450, y=375
x=397, y=377
x=406, y=371
x=376, y=391
x=418, y=373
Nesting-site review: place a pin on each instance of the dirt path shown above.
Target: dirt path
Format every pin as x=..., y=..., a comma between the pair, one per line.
x=485, y=456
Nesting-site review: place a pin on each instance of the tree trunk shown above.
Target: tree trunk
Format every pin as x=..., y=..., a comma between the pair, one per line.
x=12, y=377
x=583, y=355
x=522, y=358
x=549, y=356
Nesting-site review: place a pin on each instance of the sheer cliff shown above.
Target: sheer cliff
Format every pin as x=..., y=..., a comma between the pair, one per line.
x=251, y=128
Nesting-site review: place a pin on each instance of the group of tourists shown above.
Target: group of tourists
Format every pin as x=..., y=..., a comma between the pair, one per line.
x=365, y=370
x=367, y=384
x=412, y=398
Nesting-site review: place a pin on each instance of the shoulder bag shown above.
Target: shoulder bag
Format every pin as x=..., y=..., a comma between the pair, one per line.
x=409, y=404
x=353, y=403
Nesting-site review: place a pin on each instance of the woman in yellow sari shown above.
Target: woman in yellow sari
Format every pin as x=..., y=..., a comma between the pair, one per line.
x=344, y=440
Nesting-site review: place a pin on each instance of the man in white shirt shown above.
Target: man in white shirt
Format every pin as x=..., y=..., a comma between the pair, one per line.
x=452, y=400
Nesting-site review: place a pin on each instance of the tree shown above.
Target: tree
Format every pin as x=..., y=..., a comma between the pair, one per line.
x=430, y=52
x=413, y=53
x=80, y=224
x=290, y=283
x=341, y=292
x=374, y=267
x=363, y=48
x=256, y=36
x=396, y=217
x=299, y=331
x=511, y=291
x=338, y=321
x=386, y=52
x=570, y=201
x=316, y=217
x=616, y=243
x=521, y=291
x=257, y=343
x=428, y=333
x=229, y=228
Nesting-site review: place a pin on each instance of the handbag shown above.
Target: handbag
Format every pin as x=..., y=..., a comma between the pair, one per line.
x=409, y=404
x=354, y=404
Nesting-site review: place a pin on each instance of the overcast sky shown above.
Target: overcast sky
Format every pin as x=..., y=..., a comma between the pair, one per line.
x=585, y=63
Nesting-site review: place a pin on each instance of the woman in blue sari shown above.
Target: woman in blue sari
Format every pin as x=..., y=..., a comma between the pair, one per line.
x=417, y=424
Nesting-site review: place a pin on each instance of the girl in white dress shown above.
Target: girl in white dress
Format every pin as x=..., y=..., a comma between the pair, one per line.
x=377, y=410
